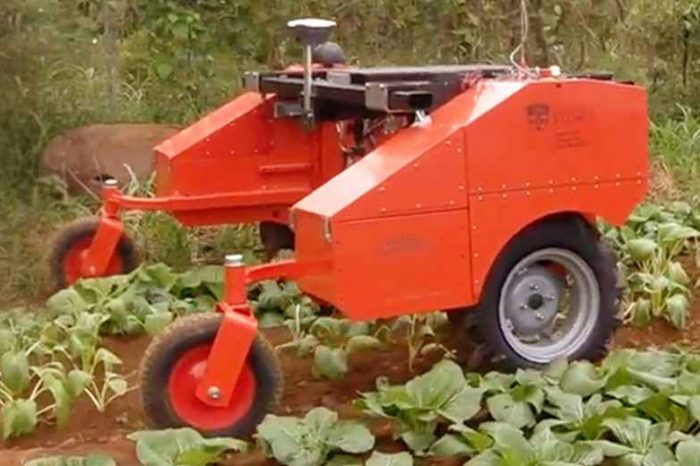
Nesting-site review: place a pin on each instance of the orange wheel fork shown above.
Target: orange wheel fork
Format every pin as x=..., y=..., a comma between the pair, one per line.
x=74, y=263
x=182, y=386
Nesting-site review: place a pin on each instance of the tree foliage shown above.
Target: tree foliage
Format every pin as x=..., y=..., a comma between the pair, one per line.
x=67, y=62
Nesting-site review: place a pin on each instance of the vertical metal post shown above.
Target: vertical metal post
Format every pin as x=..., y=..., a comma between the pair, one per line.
x=235, y=294
x=308, y=78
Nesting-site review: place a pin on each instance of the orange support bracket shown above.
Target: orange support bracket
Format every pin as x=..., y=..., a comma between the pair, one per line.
x=109, y=231
x=239, y=326
x=228, y=355
x=233, y=340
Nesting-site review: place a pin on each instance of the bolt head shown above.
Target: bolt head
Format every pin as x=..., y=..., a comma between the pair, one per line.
x=214, y=393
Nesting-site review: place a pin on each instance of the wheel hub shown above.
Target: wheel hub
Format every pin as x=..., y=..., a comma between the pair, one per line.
x=184, y=378
x=548, y=305
x=532, y=300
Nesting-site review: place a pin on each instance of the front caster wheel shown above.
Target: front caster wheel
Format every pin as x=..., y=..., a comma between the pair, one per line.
x=73, y=241
x=174, y=364
x=552, y=294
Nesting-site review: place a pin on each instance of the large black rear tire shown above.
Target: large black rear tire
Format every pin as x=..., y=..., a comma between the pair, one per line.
x=576, y=242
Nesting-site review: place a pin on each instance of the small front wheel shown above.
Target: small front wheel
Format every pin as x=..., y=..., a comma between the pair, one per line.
x=175, y=363
x=552, y=294
x=70, y=245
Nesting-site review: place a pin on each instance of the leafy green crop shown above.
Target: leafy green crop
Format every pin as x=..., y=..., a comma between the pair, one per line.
x=648, y=247
x=332, y=340
x=634, y=408
x=314, y=440
x=396, y=459
x=147, y=299
x=182, y=447
x=422, y=334
x=442, y=394
x=511, y=448
x=92, y=460
x=47, y=365
x=281, y=303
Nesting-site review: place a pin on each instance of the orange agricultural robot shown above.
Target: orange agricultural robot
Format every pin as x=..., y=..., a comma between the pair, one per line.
x=482, y=202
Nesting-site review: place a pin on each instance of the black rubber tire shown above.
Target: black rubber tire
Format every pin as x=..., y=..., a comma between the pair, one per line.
x=275, y=237
x=191, y=331
x=567, y=232
x=79, y=230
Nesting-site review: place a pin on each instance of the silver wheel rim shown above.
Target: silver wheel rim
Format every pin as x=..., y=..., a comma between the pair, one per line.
x=549, y=305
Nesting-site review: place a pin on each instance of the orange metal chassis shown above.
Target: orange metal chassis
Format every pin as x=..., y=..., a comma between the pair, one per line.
x=417, y=224
x=238, y=164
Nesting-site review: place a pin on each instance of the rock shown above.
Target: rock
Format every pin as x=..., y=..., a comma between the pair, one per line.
x=85, y=156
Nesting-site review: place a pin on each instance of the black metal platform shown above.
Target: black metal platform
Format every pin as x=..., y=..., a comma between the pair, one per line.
x=343, y=93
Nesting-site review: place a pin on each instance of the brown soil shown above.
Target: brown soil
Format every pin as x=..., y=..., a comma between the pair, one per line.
x=93, y=432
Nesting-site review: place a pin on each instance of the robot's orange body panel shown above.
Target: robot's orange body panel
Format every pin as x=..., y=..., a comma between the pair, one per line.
x=417, y=223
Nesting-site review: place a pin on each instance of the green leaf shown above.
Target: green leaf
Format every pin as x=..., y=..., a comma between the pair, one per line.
x=678, y=274
x=156, y=323
x=688, y=453
x=282, y=438
x=351, y=437
x=19, y=417
x=660, y=455
x=344, y=460
x=91, y=460
x=62, y=399
x=487, y=458
x=463, y=406
x=582, y=379
x=479, y=441
x=395, y=459
x=641, y=249
x=67, y=301
x=611, y=449
x=677, y=306
x=638, y=433
x=694, y=407
x=451, y=445
x=330, y=362
x=419, y=442
x=673, y=232
x=631, y=394
x=437, y=386
x=76, y=382
x=508, y=438
x=362, y=342
x=170, y=446
x=641, y=312
x=309, y=441
x=503, y=408
x=107, y=358
x=116, y=383
x=14, y=371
